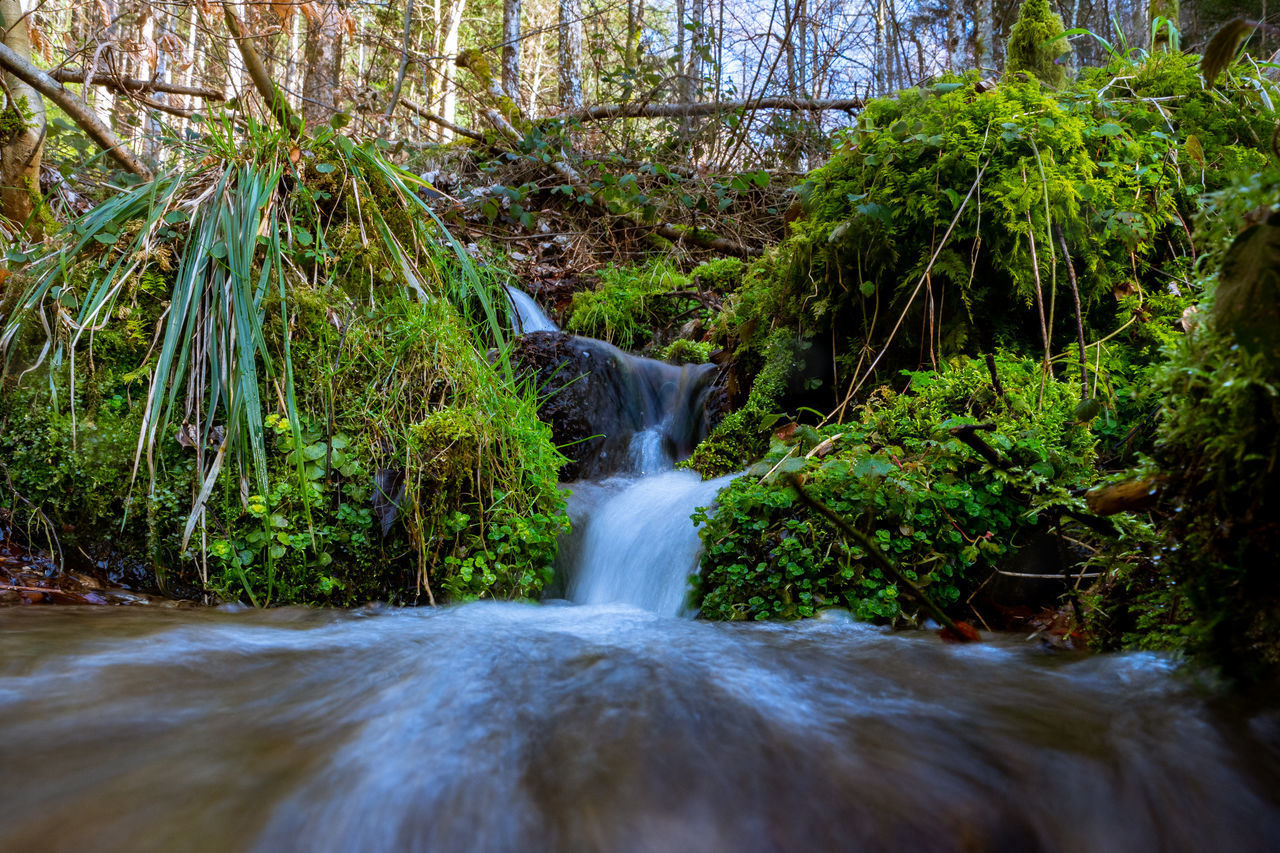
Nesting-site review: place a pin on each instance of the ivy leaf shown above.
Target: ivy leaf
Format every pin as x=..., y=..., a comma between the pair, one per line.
x=1110, y=129
x=872, y=466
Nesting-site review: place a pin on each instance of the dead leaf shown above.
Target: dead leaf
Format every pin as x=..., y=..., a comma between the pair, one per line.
x=1221, y=51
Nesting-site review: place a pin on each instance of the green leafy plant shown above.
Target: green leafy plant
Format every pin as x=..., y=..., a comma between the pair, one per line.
x=897, y=473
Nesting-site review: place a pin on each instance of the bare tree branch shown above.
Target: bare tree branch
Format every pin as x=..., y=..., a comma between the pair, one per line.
x=77, y=109
x=262, y=81
x=133, y=85
x=608, y=111
x=415, y=107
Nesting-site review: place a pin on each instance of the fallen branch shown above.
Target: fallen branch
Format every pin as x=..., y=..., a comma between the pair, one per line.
x=1130, y=496
x=611, y=111
x=705, y=239
x=955, y=631
x=77, y=109
x=415, y=107
x=133, y=85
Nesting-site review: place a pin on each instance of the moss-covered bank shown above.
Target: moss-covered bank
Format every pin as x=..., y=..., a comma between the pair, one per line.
x=269, y=378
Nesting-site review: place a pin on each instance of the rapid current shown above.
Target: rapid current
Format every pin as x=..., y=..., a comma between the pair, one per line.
x=613, y=723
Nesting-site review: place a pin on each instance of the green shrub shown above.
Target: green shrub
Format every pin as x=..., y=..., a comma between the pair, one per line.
x=919, y=232
x=328, y=336
x=895, y=472
x=685, y=351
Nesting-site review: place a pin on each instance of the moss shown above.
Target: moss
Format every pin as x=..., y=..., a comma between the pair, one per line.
x=401, y=459
x=721, y=275
x=14, y=120
x=684, y=351
x=1036, y=44
x=1104, y=162
x=1163, y=37
x=1203, y=581
x=627, y=303
x=743, y=434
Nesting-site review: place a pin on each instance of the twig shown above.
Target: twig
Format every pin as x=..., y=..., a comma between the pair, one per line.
x=877, y=557
x=133, y=84
x=1064, y=578
x=415, y=107
x=1047, y=367
x=1075, y=292
x=404, y=59
x=857, y=384
x=705, y=108
x=995, y=375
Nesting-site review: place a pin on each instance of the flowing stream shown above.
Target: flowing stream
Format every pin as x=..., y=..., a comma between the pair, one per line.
x=607, y=725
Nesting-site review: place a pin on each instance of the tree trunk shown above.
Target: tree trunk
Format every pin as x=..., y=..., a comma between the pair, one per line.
x=953, y=28
x=570, y=54
x=984, y=38
x=323, y=58
x=22, y=69
x=635, y=25
x=448, y=82
x=1167, y=9
x=22, y=129
x=511, y=48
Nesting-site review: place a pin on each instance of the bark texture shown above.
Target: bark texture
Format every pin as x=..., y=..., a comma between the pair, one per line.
x=22, y=124
x=511, y=48
x=570, y=57
x=323, y=60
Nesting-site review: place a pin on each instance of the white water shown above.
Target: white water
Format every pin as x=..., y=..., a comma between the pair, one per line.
x=636, y=544
x=634, y=541
x=504, y=728
x=528, y=315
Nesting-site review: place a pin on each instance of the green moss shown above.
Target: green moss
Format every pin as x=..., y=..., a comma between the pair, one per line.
x=684, y=351
x=918, y=234
x=743, y=434
x=1036, y=43
x=367, y=383
x=1203, y=581
x=721, y=275
x=627, y=304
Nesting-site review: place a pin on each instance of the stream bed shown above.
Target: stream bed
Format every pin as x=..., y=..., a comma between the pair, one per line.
x=574, y=728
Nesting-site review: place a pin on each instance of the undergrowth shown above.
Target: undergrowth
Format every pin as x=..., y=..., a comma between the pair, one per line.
x=945, y=221
x=295, y=349
x=895, y=471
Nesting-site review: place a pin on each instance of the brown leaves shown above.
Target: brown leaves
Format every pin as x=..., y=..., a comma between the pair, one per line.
x=1222, y=48
x=39, y=44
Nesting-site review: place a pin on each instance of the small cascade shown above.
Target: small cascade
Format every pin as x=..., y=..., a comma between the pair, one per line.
x=633, y=541
x=527, y=315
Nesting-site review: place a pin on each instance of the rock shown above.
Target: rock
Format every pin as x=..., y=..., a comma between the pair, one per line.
x=596, y=397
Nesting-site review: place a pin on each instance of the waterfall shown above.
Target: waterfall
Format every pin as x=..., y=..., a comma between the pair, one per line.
x=526, y=315
x=633, y=541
